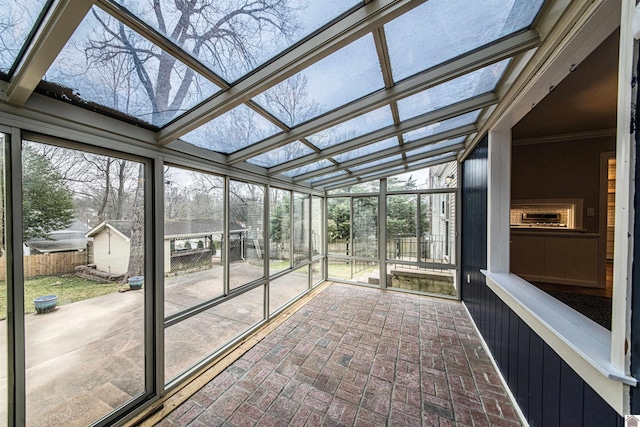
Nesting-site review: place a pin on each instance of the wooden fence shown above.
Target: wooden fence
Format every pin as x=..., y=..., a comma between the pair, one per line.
x=47, y=264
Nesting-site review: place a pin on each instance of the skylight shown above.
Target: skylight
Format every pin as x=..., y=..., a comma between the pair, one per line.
x=312, y=167
x=281, y=155
x=367, y=149
x=443, y=126
x=346, y=75
x=440, y=30
x=16, y=22
x=108, y=64
x=233, y=38
x=232, y=131
x=464, y=87
x=358, y=126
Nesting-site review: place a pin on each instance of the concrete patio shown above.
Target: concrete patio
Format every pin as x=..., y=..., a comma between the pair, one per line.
x=87, y=358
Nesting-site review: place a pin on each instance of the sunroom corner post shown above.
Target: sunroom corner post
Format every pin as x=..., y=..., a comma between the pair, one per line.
x=625, y=174
x=498, y=200
x=382, y=226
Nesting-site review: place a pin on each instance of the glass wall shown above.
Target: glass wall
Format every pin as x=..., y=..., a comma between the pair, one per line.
x=246, y=233
x=301, y=226
x=90, y=283
x=83, y=213
x=279, y=230
x=194, y=339
x=338, y=225
x=402, y=227
x=286, y=288
x=352, y=231
x=421, y=231
x=317, y=235
x=365, y=227
x=193, y=238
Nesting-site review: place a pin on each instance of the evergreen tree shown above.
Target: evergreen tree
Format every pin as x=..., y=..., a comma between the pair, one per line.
x=47, y=203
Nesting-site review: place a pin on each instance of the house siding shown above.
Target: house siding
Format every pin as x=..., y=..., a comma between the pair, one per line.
x=110, y=252
x=547, y=390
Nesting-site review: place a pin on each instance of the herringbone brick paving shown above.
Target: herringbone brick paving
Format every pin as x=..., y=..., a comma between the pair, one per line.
x=362, y=357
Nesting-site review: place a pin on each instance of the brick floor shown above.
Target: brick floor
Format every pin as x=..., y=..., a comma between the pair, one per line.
x=362, y=357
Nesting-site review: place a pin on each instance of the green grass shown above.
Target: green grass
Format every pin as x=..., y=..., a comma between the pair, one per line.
x=340, y=269
x=68, y=289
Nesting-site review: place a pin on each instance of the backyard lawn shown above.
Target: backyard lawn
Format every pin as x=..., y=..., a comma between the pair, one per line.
x=68, y=289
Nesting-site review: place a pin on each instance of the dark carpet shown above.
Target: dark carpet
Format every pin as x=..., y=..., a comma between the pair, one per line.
x=596, y=308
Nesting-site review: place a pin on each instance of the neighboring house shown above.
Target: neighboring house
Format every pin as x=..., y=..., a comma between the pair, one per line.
x=71, y=239
x=111, y=245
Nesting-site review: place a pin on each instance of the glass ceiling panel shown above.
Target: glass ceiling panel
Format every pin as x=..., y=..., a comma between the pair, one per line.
x=377, y=173
x=464, y=87
x=439, y=30
x=436, y=146
x=232, y=131
x=430, y=159
x=109, y=64
x=327, y=176
x=358, y=126
x=367, y=149
x=281, y=155
x=312, y=167
x=376, y=163
x=16, y=22
x=247, y=34
x=342, y=77
x=443, y=126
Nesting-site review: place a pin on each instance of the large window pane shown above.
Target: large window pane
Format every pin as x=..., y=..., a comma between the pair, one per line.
x=301, y=225
x=246, y=233
x=338, y=225
x=109, y=66
x=354, y=270
x=438, y=231
x=246, y=35
x=194, y=339
x=287, y=287
x=365, y=227
x=317, y=236
x=402, y=229
x=360, y=125
x=439, y=30
x=232, y=131
x=279, y=230
x=326, y=84
x=85, y=351
x=317, y=275
x=441, y=176
x=16, y=21
x=193, y=244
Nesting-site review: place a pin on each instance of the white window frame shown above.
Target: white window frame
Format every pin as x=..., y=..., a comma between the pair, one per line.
x=598, y=356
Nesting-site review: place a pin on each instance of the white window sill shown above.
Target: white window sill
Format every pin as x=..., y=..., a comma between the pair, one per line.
x=582, y=343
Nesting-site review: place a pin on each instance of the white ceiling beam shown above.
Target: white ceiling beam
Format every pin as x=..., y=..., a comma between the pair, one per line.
x=54, y=32
x=390, y=131
x=494, y=53
x=453, y=148
x=430, y=140
x=326, y=42
x=325, y=184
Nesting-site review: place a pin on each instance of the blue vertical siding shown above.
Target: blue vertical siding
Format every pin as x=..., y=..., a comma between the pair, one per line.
x=547, y=390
